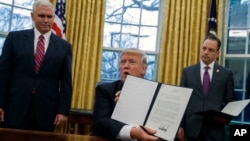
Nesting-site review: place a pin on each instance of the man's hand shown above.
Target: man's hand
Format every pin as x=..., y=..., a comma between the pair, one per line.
x=1, y=115
x=117, y=94
x=180, y=135
x=139, y=134
x=60, y=119
x=222, y=119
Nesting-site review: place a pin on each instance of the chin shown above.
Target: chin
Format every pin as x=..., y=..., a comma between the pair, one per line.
x=124, y=77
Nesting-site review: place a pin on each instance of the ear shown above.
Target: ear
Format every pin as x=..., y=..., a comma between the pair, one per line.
x=218, y=54
x=32, y=15
x=144, y=70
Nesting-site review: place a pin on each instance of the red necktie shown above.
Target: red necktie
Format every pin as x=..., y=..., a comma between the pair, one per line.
x=39, y=55
x=206, y=80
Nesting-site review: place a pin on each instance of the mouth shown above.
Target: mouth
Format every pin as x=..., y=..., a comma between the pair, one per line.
x=126, y=73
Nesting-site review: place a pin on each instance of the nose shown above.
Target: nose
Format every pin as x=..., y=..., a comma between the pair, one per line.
x=206, y=51
x=125, y=65
x=46, y=19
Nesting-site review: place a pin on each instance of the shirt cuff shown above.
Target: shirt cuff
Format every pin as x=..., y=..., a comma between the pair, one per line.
x=124, y=134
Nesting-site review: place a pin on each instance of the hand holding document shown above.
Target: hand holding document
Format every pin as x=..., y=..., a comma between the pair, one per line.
x=154, y=105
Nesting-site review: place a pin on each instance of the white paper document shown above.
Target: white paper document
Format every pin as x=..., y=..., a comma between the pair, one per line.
x=152, y=104
x=134, y=101
x=168, y=109
x=234, y=108
x=231, y=110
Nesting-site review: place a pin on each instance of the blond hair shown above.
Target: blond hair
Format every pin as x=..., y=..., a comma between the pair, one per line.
x=137, y=52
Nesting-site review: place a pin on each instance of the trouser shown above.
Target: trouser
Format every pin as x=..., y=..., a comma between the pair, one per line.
x=29, y=122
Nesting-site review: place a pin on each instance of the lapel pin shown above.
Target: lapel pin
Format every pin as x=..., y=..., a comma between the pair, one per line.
x=217, y=70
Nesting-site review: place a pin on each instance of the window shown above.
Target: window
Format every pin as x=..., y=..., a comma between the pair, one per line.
x=15, y=15
x=237, y=52
x=130, y=23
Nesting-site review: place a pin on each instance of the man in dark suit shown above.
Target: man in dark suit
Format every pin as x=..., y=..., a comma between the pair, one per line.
x=132, y=62
x=220, y=91
x=35, y=98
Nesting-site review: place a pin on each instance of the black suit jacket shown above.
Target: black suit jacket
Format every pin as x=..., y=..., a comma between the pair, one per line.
x=104, y=105
x=53, y=82
x=221, y=91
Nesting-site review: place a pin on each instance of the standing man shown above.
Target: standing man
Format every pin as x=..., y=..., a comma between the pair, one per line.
x=213, y=87
x=35, y=75
x=132, y=62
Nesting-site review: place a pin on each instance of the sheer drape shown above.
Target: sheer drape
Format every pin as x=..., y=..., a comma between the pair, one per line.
x=184, y=29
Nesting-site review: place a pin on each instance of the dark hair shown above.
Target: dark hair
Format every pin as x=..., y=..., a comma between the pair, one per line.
x=214, y=38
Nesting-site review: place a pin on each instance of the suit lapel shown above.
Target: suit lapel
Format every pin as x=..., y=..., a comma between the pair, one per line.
x=197, y=77
x=215, y=79
x=215, y=75
x=29, y=45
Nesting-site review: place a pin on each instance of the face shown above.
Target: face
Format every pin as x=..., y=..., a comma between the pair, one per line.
x=130, y=63
x=43, y=18
x=209, y=51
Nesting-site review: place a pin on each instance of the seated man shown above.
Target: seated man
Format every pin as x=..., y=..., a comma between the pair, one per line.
x=133, y=62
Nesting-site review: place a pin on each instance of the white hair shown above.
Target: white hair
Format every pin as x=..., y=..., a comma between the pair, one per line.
x=43, y=3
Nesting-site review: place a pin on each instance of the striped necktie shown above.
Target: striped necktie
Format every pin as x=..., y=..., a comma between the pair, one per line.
x=39, y=55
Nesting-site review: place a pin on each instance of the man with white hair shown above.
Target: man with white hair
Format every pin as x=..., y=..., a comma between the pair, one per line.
x=35, y=75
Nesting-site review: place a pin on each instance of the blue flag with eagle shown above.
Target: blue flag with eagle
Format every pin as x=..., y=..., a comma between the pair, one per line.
x=212, y=19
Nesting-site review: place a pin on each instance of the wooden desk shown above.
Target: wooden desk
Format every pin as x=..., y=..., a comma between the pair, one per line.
x=25, y=135
x=80, y=121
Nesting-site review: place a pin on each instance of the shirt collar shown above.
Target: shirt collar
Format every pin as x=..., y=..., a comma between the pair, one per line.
x=211, y=65
x=46, y=35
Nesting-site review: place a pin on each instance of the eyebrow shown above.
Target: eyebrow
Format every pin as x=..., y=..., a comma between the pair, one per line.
x=44, y=15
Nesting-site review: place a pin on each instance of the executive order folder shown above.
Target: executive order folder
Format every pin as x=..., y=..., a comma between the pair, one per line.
x=152, y=104
x=231, y=110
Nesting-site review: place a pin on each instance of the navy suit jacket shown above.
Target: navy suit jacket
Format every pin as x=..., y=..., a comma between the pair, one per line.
x=220, y=92
x=104, y=105
x=53, y=82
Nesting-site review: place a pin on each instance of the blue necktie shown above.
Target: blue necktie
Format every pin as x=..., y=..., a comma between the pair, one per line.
x=206, y=80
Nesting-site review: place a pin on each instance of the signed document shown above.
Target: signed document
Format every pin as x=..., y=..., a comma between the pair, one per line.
x=167, y=110
x=152, y=104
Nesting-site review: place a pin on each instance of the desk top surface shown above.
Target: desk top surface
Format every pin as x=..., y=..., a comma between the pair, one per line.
x=24, y=135
x=81, y=111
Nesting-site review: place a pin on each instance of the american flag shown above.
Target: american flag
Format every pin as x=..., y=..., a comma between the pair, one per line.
x=212, y=19
x=59, y=25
